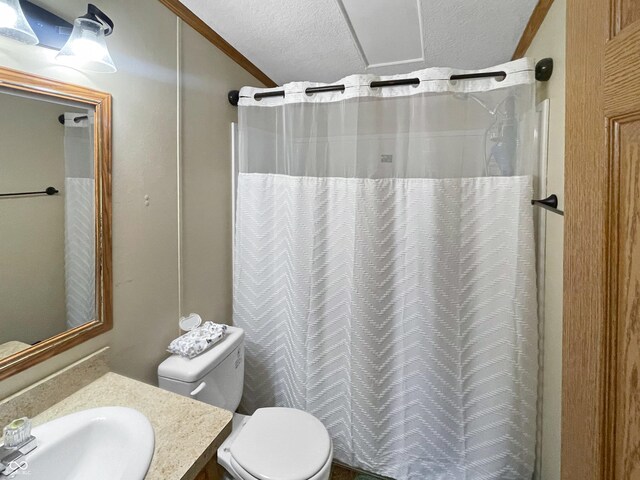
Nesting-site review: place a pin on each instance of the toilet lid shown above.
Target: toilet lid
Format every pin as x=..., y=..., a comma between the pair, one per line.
x=282, y=444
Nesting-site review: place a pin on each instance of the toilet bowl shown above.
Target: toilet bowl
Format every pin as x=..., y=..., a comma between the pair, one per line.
x=298, y=446
x=272, y=444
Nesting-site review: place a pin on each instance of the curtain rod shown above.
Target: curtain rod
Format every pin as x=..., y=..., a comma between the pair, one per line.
x=544, y=69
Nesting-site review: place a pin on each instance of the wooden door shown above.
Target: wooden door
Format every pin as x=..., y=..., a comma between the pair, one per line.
x=601, y=359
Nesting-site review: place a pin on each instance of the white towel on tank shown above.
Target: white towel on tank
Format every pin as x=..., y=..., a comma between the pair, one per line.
x=198, y=340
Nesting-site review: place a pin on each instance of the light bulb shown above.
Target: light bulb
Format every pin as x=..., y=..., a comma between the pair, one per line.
x=8, y=16
x=13, y=23
x=86, y=48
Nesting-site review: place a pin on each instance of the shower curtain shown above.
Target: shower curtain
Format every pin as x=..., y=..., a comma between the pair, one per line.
x=384, y=269
x=79, y=223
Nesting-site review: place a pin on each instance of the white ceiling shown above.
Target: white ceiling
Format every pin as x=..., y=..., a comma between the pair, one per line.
x=325, y=40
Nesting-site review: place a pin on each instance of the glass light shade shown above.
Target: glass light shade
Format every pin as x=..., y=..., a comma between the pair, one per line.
x=86, y=48
x=13, y=23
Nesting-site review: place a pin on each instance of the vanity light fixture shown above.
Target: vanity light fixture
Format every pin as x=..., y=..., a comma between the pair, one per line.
x=86, y=48
x=13, y=23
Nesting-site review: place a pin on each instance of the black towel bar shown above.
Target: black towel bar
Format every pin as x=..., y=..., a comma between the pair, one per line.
x=550, y=203
x=48, y=191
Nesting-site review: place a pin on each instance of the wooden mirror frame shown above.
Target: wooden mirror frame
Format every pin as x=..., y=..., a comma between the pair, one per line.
x=101, y=102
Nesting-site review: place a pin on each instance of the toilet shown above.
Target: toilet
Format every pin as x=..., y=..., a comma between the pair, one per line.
x=272, y=444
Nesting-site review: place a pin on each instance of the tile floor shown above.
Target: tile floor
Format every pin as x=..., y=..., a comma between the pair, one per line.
x=342, y=473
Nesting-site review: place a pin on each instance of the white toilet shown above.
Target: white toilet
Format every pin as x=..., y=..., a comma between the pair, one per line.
x=273, y=443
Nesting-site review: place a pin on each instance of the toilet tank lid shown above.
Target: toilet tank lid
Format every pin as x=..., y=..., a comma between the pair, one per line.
x=194, y=369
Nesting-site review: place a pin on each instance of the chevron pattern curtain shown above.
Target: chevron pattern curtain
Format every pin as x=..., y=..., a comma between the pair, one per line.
x=79, y=221
x=385, y=272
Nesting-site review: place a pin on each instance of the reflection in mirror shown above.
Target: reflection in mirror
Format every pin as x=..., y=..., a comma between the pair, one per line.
x=47, y=218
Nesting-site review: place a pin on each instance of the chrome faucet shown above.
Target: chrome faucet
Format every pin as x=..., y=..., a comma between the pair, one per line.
x=18, y=441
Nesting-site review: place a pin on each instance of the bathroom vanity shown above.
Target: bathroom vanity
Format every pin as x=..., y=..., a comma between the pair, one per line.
x=187, y=432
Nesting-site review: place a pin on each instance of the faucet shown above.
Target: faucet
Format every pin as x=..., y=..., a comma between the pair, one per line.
x=18, y=441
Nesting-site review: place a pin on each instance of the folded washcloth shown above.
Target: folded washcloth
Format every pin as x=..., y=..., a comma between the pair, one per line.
x=193, y=343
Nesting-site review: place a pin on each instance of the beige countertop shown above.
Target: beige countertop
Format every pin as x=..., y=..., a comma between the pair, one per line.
x=187, y=432
x=9, y=348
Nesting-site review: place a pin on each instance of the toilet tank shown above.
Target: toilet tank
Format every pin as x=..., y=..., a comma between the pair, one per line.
x=215, y=377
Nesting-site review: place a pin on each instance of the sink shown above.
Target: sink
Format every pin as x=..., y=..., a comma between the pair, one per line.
x=108, y=443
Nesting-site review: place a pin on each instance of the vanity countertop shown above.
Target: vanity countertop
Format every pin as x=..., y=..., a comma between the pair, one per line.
x=9, y=348
x=187, y=432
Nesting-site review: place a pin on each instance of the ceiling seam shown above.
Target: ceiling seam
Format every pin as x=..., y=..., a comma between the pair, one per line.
x=354, y=37
x=421, y=27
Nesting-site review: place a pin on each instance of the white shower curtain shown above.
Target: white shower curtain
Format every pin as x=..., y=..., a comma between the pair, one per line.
x=384, y=269
x=79, y=220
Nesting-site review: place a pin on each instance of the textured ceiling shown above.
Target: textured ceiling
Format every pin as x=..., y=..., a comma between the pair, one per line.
x=325, y=40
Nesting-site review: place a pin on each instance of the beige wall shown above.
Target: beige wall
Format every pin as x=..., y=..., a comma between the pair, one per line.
x=206, y=154
x=147, y=45
x=31, y=228
x=550, y=42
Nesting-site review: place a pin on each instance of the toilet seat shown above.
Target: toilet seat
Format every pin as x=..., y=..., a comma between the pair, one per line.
x=281, y=444
x=323, y=474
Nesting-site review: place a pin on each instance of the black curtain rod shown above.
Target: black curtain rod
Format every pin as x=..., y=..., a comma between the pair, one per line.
x=544, y=69
x=48, y=191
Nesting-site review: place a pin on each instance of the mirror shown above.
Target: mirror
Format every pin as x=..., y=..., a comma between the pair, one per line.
x=55, y=259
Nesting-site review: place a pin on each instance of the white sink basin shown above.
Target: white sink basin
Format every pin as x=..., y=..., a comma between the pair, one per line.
x=109, y=443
